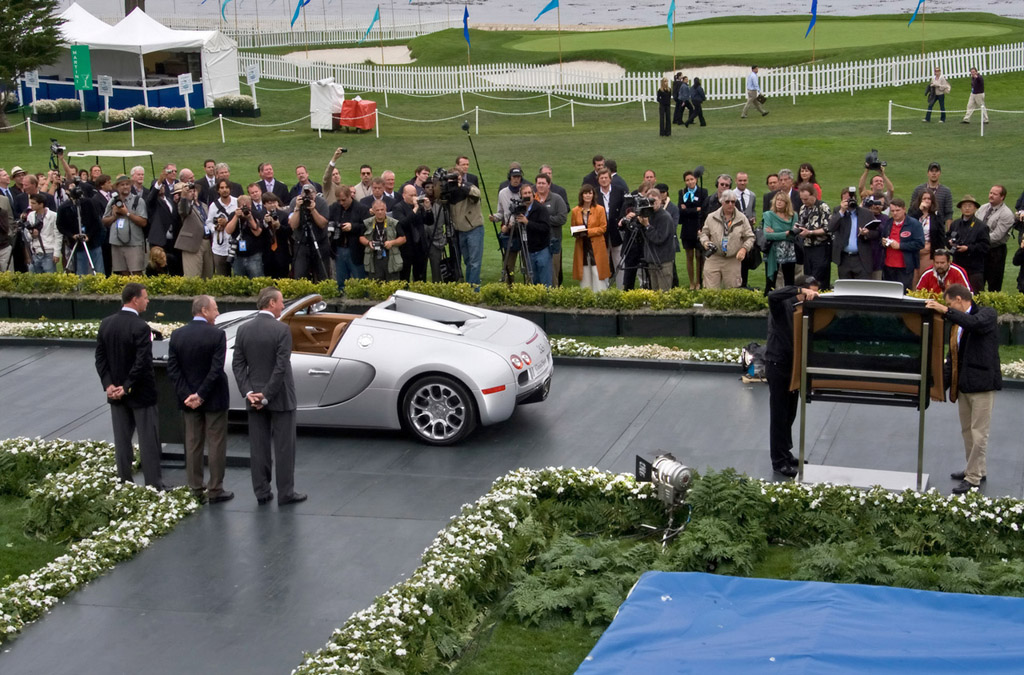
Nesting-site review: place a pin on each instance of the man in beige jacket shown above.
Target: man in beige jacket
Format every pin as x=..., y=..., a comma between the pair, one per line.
x=727, y=239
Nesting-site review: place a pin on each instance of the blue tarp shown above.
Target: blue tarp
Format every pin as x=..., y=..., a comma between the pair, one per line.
x=675, y=622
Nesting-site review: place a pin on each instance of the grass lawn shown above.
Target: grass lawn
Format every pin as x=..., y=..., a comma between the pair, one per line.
x=776, y=40
x=833, y=132
x=20, y=554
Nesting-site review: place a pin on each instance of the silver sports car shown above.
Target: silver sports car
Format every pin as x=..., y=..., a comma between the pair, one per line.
x=434, y=367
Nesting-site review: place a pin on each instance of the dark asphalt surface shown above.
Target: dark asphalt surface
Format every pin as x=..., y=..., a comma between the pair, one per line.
x=239, y=588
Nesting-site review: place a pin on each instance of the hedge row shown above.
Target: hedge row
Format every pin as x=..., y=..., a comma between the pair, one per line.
x=495, y=294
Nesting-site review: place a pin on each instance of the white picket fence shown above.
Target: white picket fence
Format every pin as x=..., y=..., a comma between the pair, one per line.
x=790, y=81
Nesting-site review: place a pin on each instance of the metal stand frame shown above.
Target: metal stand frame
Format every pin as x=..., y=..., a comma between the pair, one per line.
x=920, y=378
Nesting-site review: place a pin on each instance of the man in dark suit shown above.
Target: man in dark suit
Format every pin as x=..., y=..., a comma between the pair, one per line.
x=263, y=371
x=124, y=362
x=610, y=197
x=591, y=178
x=267, y=182
x=164, y=222
x=195, y=365
x=851, y=238
x=206, y=186
x=462, y=166
x=617, y=180
x=972, y=374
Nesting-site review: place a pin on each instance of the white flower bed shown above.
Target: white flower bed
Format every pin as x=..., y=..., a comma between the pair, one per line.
x=140, y=514
x=384, y=636
x=573, y=347
x=66, y=329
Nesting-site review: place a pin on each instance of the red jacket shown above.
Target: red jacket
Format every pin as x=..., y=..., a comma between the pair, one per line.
x=931, y=282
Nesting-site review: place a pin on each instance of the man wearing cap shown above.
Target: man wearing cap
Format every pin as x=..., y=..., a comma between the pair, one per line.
x=504, y=217
x=999, y=218
x=969, y=241
x=726, y=239
x=942, y=196
x=125, y=220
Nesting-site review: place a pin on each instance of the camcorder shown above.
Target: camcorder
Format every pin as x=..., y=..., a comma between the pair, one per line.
x=517, y=207
x=871, y=161
x=641, y=205
x=450, y=191
x=56, y=148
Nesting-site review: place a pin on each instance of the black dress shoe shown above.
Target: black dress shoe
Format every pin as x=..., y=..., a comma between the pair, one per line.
x=960, y=475
x=293, y=498
x=787, y=470
x=224, y=496
x=265, y=500
x=964, y=487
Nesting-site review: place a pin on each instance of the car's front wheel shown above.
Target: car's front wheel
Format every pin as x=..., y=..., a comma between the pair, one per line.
x=438, y=410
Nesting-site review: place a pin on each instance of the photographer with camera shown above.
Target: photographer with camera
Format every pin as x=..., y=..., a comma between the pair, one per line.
x=277, y=259
x=194, y=239
x=43, y=240
x=382, y=238
x=509, y=202
x=880, y=185
x=467, y=219
x=164, y=219
x=726, y=239
x=220, y=223
x=308, y=221
x=902, y=239
x=660, y=247
x=532, y=218
x=125, y=220
x=413, y=214
x=332, y=178
x=969, y=239
x=348, y=217
x=252, y=237
x=78, y=219
x=558, y=213
x=634, y=252
x=853, y=229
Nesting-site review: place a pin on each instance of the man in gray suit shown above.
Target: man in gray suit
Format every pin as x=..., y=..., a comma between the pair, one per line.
x=263, y=371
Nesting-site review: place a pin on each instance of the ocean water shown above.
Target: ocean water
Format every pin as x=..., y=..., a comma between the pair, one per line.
x=352, y=13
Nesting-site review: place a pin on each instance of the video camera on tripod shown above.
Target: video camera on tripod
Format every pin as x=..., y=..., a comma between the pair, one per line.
x=449, y=190
x=516, y=207
x=636, y=206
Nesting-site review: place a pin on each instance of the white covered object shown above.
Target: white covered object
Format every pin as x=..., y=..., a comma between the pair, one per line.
x=325, y=99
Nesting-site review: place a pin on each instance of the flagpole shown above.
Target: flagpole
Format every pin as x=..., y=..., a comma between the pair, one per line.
x=814, y=35
x=922, y=36
x=236, y=15
x=257, y=16
x=380, y=34
x=558, y=9
x=302, y=8
x=673, y=49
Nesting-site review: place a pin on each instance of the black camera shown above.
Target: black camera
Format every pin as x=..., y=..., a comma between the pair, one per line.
x=379, y=249
x=333, y=230
x=117, y=202
x=75, y=191
x=191, y=185
x=638, y=204
x=450, y=191
x=871, y=161
x=516, y=207
x=246, y=211
x=232, y=249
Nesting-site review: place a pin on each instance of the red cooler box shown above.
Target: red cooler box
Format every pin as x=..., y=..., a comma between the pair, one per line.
x=356, y=114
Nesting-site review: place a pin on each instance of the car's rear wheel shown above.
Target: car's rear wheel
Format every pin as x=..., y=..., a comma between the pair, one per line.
x=438, y=410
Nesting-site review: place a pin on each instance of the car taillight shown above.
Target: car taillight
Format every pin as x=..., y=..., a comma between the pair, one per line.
x=526, y=358
x=517, y=362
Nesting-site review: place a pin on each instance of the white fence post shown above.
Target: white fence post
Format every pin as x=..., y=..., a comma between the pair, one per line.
x=888, y=129
x=221, y=116
x=476, y=126
x=462, y=100
x=984, y=113
x=376, y=121
x=643, y=106
x=131, y=123
x=572, y=112
x=28, y=124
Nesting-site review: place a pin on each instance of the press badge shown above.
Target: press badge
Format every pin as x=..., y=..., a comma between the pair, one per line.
x=121, y=223
x=241, y=245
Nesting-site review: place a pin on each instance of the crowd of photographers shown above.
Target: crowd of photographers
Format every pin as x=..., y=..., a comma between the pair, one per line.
x=433, y=226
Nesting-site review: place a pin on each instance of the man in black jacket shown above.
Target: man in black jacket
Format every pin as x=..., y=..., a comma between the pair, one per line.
x=537, y=225
x=969, y=241
x=347, y=215
x=124, y=362
x=973, y=376
x=778, y=356
x=851, y=237
x=195, y=364
x=413, y=216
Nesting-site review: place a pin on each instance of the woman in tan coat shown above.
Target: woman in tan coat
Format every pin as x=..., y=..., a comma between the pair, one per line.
x=590, y=257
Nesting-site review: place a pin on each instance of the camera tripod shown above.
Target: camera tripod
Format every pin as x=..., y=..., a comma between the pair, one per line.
x=450, y=268
x=508, y=264
x=647, y=257
x=79, y=241
x=320, y=272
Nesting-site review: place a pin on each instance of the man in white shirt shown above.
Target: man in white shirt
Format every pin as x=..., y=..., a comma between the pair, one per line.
x=999, y=218
x=753, y=91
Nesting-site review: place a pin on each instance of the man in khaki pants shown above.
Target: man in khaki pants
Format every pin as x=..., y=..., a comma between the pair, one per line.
x=972, y=374
x=726, y=238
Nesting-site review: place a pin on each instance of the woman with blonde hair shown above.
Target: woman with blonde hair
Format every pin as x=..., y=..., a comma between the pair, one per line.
x=778, y=231
x=664, y=97
x=588, y=223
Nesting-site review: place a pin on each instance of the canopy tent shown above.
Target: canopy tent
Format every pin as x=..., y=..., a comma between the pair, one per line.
x=140, y=34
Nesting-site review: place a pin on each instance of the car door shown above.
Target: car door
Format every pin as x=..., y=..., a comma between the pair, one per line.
x=312, y=374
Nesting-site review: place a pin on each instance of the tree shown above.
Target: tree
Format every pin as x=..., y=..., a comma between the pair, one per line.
x=29, y=38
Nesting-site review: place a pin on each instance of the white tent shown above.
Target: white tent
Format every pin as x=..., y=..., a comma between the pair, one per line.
x=140, y=34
